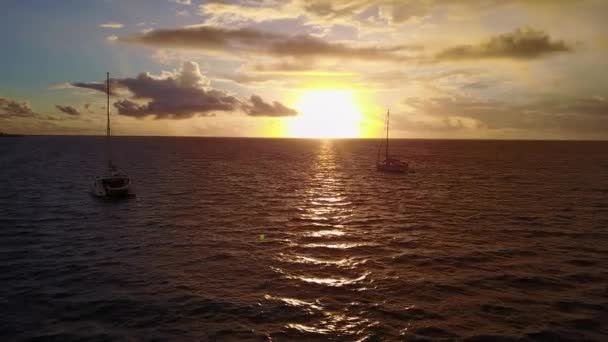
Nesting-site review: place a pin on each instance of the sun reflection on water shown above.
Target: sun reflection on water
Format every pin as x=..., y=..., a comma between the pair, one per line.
x=295, y=302
x=301, y=259
x=322, y=251
x=323, y=233
x=334, y=282
x=336, y=322
x=344, y=245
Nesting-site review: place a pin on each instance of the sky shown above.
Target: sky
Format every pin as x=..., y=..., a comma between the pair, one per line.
x=477, y=69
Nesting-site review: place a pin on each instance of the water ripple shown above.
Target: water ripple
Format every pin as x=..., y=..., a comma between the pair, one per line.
x=272, y=239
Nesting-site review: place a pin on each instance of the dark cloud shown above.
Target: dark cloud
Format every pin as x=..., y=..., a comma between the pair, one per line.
x=179, y=95
x=307, y=46
x=12, y=108
x=68, y=110
x=523, y=43
x=252, y=41
x=257, y=107
x=93, y=86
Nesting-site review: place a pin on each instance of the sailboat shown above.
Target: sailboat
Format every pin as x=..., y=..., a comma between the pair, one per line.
x=112, y=184
x=389, y=164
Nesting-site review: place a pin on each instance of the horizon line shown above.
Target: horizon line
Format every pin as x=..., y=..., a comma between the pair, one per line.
x=302, y=138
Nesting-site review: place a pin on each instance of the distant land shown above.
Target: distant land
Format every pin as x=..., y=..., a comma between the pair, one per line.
x=6, y=135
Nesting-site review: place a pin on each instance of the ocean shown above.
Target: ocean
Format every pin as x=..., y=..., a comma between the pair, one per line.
x=287, y=239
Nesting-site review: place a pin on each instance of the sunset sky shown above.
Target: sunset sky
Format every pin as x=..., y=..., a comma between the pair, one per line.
x=504, y=69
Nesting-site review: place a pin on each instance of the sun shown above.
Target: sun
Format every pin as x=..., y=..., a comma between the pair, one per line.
x=326, y=113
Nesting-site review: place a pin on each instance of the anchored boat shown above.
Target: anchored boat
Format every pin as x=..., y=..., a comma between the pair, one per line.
x=113, y=184
x=389, y=164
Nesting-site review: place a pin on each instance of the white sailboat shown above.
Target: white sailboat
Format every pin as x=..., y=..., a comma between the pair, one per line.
x=113, y=184
x=389, y=164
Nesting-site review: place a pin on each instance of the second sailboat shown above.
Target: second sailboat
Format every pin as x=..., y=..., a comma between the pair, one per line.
x=389, y=164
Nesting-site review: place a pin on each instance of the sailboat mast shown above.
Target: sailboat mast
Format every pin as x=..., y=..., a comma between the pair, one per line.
x=108, y=103
x=387, y=123
x=108, y=147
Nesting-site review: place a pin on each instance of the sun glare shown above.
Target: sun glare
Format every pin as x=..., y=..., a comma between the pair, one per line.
x=326, y=113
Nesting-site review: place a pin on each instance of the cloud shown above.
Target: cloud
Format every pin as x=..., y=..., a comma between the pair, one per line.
x=88, y=107
x=247, y=78
x=96, y=86
x=111, y=25
x=257, y=107
x=12, y=108
x=182, y=2
x=145, y=23
x=307, y=46
x=357, y=13
x=403, y=11
x=353, y=12
x=181, y=94
x=574, y=116
x=596, y=106
x=112, y=38
x=177, y=95
x=60, y=86
x=523, y=43
x=263, y=10
x=283, y=66
x=336, y=9
x=273, y=44
x=68, y=110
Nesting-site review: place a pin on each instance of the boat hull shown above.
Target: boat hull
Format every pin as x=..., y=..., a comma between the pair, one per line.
x=112, y=187
x=392, y=167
